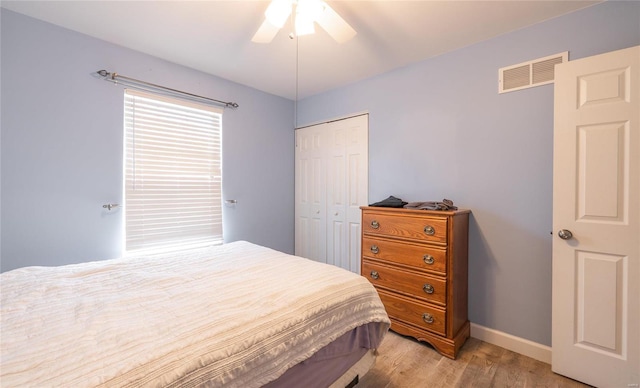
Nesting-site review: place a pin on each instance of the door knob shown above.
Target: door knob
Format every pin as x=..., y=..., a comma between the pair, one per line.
x=565, y=234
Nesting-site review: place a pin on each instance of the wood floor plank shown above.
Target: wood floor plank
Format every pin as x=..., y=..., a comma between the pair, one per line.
x=404, y=362
x=479, y=372
x=415, y=366
x=511, y=370
x=482, y=366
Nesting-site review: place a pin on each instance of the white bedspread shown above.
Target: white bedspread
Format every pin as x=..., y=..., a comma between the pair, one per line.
x=235, y=315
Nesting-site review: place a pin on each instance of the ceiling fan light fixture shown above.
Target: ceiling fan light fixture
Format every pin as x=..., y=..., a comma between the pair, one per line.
x=304, y=24
x=304, y=27
x=277, y=12
x=310, y=8
x=307, y=12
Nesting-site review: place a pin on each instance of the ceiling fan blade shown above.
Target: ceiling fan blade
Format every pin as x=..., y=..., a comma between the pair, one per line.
x=335, y=26
x=265, y=33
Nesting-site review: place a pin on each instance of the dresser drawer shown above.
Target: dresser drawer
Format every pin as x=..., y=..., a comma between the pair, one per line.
x=417, y=314
x=416, y=228
x=424, y=257
x=427, y=288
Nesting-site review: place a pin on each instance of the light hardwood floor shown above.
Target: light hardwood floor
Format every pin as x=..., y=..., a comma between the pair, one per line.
x=405, y=362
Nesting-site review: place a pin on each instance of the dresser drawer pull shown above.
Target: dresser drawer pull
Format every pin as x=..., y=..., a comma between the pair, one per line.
x=375, y=249
x=427, y=318
x=428, y=288
x=428, y=259
x=429, y=230
x=375, y=224
x=375, y=275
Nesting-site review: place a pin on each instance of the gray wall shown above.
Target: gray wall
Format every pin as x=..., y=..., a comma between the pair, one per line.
x=62, y=145
x=439, y=129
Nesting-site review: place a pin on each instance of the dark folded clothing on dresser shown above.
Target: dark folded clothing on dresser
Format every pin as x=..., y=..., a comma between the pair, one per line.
x=446, y=204
x=390, y=202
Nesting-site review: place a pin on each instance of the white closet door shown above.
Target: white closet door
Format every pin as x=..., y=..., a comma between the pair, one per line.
x=343, y=164
x=310, y=194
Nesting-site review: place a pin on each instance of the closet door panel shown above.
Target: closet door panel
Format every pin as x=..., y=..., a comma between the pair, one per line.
x=310, y=194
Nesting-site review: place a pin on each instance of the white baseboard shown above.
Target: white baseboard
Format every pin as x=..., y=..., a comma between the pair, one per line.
x=516, y=344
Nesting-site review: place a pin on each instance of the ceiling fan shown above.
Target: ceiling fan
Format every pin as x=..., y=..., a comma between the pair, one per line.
x=305, y=13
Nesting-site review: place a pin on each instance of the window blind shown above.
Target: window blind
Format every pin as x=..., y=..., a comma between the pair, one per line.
x=173, y=182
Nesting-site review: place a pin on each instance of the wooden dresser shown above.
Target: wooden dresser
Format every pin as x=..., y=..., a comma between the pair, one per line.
x=417, y=260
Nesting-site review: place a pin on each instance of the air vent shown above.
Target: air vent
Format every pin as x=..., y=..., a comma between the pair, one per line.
x=529, y=74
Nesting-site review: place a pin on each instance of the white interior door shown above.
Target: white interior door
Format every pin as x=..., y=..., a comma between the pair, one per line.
x=596, y=220
x=339, y=150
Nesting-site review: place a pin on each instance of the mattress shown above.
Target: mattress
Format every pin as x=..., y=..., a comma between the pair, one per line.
x=237, y=315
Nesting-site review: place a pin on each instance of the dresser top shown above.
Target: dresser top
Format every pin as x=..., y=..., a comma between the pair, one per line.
x=400, y=210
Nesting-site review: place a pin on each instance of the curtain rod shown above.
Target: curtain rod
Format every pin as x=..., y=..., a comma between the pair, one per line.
x=116, y=78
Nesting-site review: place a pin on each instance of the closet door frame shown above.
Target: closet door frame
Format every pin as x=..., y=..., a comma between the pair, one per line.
x=331, y=184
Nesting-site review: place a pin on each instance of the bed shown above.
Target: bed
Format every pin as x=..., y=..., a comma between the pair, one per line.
x=235, y=315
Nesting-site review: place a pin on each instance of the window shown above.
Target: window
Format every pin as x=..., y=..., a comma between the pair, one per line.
x=173, y=181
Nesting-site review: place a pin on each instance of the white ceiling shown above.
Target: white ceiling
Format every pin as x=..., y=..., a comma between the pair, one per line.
x=215, y=36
